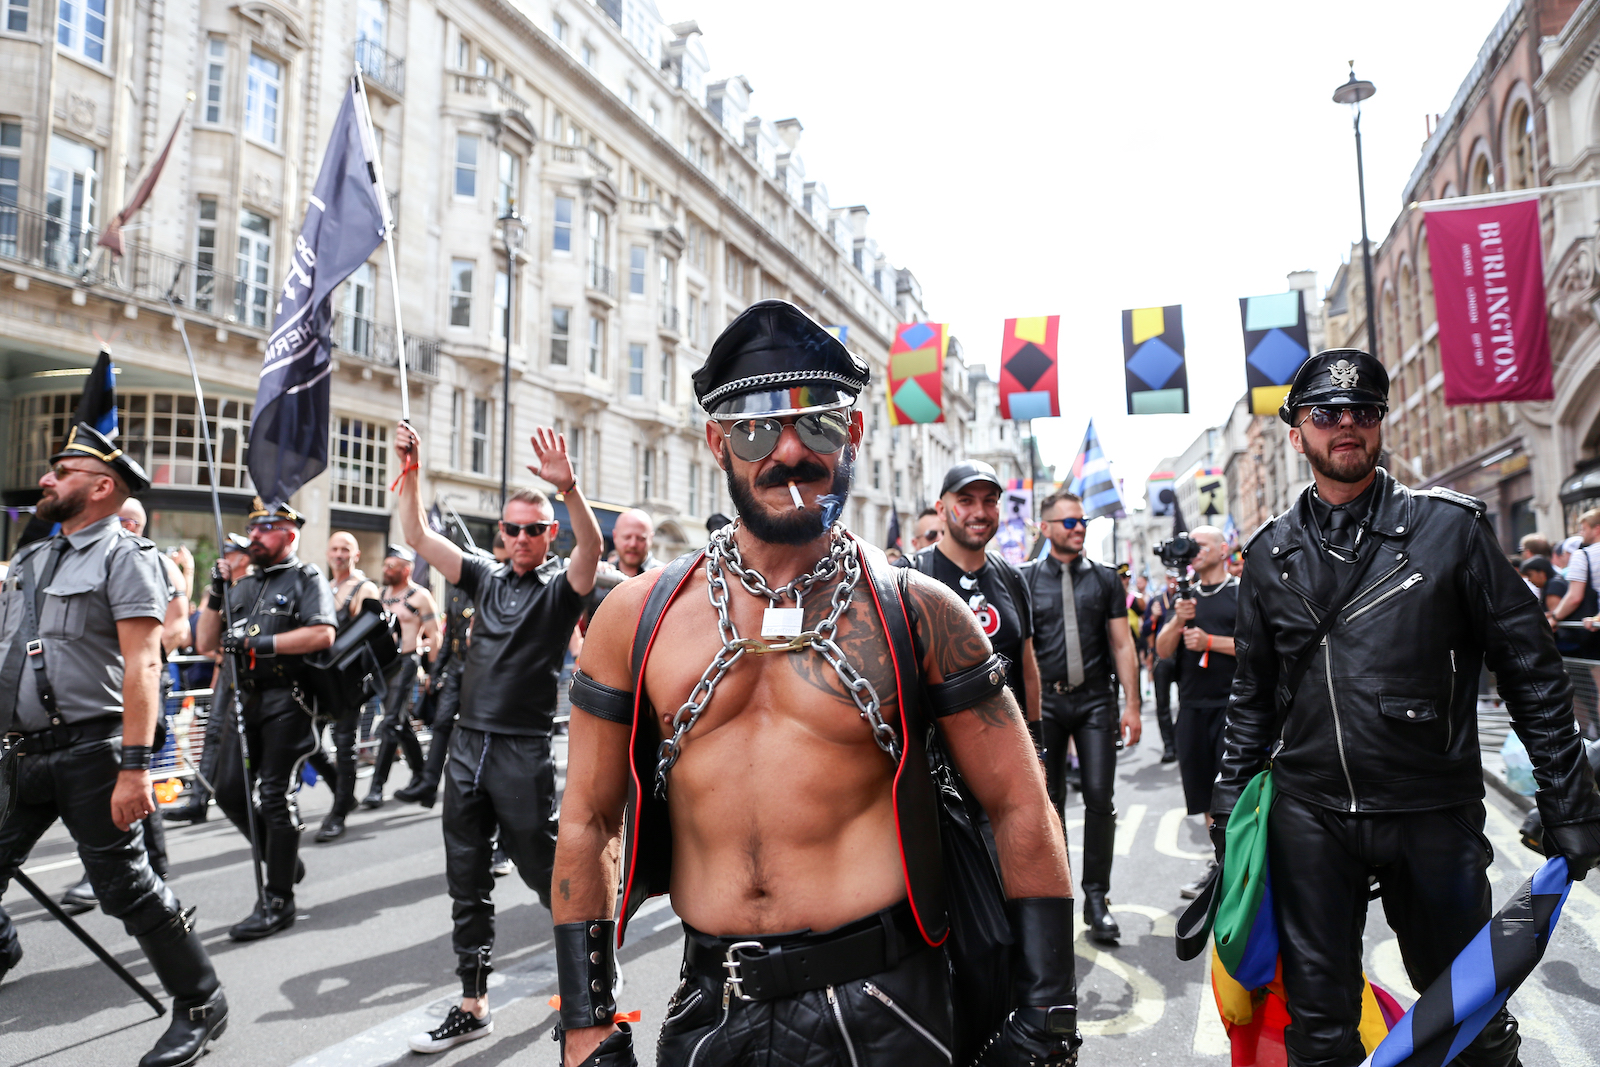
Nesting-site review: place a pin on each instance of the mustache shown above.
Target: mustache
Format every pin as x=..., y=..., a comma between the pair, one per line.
x=809, y=471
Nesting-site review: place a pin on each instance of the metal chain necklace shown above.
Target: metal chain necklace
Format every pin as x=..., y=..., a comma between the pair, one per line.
x=722, y=554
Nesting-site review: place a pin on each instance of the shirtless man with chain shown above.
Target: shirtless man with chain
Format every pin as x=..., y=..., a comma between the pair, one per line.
x=778, y=811
x=351, y=589
x=418, y=614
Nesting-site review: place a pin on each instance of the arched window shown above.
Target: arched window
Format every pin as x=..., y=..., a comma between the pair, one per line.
x=1425, y=277
x=1482, y=175
x=1409, y=329
x=1519, y=143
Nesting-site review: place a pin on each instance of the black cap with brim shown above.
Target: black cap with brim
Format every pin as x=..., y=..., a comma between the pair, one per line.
x=260, y=514
x=400, y=552
x=235, y=543
x=1337, y=377
x=85, y=440
x=774, y=360
x=966, y=472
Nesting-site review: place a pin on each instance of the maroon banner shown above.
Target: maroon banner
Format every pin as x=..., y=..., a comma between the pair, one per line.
x=1488, y=287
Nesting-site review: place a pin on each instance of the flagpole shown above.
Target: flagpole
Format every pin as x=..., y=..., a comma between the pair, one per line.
x=371, y=143
x=229, y=666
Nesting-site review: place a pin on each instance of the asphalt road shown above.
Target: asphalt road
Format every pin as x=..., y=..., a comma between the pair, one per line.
x=369, y=959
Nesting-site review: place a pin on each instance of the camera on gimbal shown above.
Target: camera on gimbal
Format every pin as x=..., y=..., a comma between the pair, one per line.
x=1176, y=553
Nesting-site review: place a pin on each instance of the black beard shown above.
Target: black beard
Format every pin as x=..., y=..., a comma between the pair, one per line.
x=792, y=526
x=59, y=508
x=260, y=554
x=1353, y=469
x=958, y=534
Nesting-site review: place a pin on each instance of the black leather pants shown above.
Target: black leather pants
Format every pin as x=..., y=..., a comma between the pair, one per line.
x=446, y=700
x=394, y=731
x=494, y=781
x=1164, y=675
x=1200, y=752
x=840, y=1026
x=1430, y=868
x=280, y=735
x=74, y=784
x=1090, y=719
x=343, y=732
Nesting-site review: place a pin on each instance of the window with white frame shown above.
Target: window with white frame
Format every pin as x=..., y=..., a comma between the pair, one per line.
x=897, y=484
x=655, y=116
x=506, y=189
x=694, y=489
x=636, y=261
x=694, y=303
x=461, y=292
x=560, y=325
x=360, y=463
x=636, y=370
x=463, y=53
x=372, y=21
x=558, y=28
x=480, y=435
x=485, y=67
x=254, y=288
x=647, y=473
x=355, y=320
x=561, y=230
x=10, y=184
x=597, y=345
x=466, y=165
x=667, y=383
x=81, y=27
x=631, y=91
x=205, y=254
x=17, y=16
x=458, y=420
x=262, y=93
x=877, y=474
x=216, y=77
x=587, y=53
x=599, y=262
x=502, y=305
x=667, y=296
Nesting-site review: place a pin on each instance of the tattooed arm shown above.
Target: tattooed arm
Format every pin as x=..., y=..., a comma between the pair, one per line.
x=992, y=750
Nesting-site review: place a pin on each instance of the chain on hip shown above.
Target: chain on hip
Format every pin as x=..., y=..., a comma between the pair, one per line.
x=722, y=554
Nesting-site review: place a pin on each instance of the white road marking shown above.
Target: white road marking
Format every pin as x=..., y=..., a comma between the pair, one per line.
x=1149, y=998
x=56, y=866
x=1540, y=1019
x=1127, y=827
x=1167, y=837
x=1389, y=971
x=1210, y=1036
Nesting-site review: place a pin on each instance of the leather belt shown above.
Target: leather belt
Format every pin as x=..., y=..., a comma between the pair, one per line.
x=65, y=735
x=1088, y=685
x=781, y=965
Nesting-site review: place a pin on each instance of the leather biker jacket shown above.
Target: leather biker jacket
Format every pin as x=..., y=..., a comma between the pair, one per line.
x=1385, y=718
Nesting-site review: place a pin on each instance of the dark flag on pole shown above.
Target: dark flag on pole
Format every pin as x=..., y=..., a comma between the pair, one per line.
x=97, y=404
x=893, y=538
x=345, y=223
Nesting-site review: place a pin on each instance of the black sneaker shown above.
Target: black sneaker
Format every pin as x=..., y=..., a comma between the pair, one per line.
x=501, y=864
x=1192, y=890
x=458, y=1028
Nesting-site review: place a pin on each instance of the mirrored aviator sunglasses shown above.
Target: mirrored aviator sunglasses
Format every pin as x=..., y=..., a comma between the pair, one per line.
x=823, y=432
x=1365, y=416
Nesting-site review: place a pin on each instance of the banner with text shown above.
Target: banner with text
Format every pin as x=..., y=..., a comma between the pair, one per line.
x=1488, y=286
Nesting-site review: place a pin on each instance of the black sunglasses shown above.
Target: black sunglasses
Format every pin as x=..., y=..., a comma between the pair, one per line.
x=823, y=432
x=1366, y=416
x=1068, y=524
x=514, y=530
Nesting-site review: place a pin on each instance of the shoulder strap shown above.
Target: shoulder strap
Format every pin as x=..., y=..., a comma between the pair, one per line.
x=1013, y=579
x=29, y=632
x=655, y=605
x=1297, y=671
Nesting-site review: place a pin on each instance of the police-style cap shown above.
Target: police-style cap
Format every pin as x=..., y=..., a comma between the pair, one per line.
x=966, y=472
x=235, y=543
x=85, y=440
x=261, y=514
x=1337, y=377
x=773, y=360
x=400, y=552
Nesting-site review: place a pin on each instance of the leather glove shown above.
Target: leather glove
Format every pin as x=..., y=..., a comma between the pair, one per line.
x=615, y=1051
x=1023, y=1040
x=219, y=585
x=1579, y=842
x=1219, y=835
x=1044, y=1031
x=237, y=644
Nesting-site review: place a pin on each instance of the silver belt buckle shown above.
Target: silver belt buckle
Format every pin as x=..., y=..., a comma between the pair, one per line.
x=734, y=983
x=34, y=647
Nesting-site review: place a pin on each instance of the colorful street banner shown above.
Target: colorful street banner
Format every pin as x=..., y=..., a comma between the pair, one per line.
x=1152, y=351
x=916, y=373
x=1028, y=369
x=1159, y=493
x=839, y=333
x=1488, y=287
x=1016, y=513
x=1092, y=481
x=1275, y=344
x=1211, y=495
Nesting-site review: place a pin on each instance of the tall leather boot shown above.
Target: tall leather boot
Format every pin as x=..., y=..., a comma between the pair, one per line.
x=411, y=747
x=1099, y=838
x=380, y=771
x=155, y=841
x=281, y=849
x=344, y=802
x=199, y=1009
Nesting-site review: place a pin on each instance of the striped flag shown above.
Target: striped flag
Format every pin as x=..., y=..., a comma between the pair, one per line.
x=1091, y=480
x=1461, y=1001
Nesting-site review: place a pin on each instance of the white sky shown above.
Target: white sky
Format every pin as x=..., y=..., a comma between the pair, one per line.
x=1077, y=159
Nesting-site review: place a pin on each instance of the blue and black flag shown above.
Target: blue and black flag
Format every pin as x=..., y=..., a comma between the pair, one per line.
x=345, y=223
x=1462, y=1000
x=1091, y=480
x=97, y=404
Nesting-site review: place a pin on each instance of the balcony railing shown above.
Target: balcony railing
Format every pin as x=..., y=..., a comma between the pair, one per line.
x=603, y=280
x=375, y=343
x=482, y=85
x=379, y=67
x=46, y=241
x=578, y=154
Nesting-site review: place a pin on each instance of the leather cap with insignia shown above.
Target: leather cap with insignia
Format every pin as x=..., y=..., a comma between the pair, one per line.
x=1337, y=377
x=260, y=513
x=774, y=360
x=85, y=440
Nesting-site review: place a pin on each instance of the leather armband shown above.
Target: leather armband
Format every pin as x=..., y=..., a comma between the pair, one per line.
x=963, y=689
x=1043, y=971
x=600, y=700
x=586, y=969
x=135, y=758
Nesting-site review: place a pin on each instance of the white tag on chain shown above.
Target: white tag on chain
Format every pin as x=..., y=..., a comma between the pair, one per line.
x=782, y=622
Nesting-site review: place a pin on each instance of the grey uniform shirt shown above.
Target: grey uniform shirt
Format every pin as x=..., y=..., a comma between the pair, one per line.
x=105, y=575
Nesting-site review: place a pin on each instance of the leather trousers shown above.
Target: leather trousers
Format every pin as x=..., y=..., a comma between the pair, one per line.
x=447, y=699
x=1089, y=717
x=840, y=1026
x=394, y=731
x=1164, y=676
x=504, y=782
x=1431, y=873
x=280, y=735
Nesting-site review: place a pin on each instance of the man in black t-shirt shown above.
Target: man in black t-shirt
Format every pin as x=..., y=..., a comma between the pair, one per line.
x=499, y=772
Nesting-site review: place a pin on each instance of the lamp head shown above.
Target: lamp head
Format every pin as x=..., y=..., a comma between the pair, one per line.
x=1353, y=91
x=512, y=230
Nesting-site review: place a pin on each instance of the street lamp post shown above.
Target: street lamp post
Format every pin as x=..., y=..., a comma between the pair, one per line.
x=512, y=232
x=1353, y=92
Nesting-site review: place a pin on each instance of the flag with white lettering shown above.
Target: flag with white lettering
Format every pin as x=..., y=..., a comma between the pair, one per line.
x=1488, y=287
x=345, y=223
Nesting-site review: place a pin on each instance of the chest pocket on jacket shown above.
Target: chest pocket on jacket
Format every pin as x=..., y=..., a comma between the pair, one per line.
x=1407, y=709
x=275, y=617
x=66, y=607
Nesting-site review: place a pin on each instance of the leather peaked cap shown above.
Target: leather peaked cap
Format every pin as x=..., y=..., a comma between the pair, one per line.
x=260, y=513
x=774, y=359
x=235, y=543
x=1337, y=377
x=85, y=440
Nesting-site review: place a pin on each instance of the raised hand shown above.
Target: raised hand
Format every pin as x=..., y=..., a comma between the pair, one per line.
x=550, y=451
x=407, y=445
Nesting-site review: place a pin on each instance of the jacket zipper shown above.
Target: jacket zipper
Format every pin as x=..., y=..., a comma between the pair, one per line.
x=1449, y=724
x=1338, y=728
x=1402, y=587
x=689, y=1003
x=694, y=1053
x=883, y=998
x=838, y=1017
x=1384, y=577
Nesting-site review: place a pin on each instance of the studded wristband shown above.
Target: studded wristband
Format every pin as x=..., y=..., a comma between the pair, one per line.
x=135, y=758
x=586, y=966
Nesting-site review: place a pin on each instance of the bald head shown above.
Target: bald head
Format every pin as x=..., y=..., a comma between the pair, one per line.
x=632, y=534
x=1211, y=565
x=132, y=516
x=1208, y=535
x=343, y=553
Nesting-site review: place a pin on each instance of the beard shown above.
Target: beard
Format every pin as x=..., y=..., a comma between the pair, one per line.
x=791, y=526
x=58, y=508
x=957, y=532
x=261, y=555
x=1347, y=467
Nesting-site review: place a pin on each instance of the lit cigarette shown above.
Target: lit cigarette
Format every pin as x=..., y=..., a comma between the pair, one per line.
x=794, y=492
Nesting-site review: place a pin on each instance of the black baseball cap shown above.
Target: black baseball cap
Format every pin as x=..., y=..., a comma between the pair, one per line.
x=968, y=471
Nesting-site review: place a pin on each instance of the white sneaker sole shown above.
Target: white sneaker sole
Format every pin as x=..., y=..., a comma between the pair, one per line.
x=425, y=1043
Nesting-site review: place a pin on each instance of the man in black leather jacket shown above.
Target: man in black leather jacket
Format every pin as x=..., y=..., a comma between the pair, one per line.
x=1376, y=767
